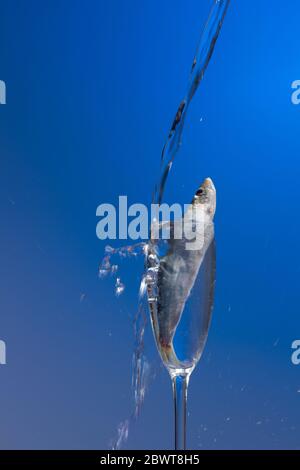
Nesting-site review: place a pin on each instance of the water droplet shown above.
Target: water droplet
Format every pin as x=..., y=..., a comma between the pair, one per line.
x=102, y=273
x=119, y=287
x=114, y=268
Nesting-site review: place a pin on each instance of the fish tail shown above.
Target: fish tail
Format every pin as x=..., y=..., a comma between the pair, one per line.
x=169, y=356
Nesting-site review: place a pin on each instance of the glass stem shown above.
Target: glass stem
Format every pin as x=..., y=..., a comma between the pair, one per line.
x=180, y=386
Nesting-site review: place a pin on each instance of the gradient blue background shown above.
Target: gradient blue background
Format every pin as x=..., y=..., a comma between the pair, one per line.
x=92, y=88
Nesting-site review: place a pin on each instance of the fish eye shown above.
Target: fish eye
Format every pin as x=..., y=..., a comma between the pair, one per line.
x=199, y=192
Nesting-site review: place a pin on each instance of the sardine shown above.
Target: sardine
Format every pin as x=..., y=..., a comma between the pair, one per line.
x=177, y=270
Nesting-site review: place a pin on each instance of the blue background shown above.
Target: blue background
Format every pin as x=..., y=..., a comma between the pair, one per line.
x=92, y=88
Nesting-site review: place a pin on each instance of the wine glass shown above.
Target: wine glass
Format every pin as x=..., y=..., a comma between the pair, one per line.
x=180, y=290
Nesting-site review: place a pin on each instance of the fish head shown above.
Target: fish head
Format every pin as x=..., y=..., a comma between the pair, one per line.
x=205, y=197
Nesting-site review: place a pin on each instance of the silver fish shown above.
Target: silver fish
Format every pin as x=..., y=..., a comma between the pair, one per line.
x=174, y=274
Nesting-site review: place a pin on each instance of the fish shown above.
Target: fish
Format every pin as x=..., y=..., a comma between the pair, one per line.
x=176, y=271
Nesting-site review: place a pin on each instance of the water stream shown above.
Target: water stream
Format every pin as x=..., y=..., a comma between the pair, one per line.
x=141, y=369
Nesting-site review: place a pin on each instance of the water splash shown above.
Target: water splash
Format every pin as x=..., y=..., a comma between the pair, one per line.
x=123, y=431
x=141, y=368
x=142, y=371
x=119, y=287
x=108, y=267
